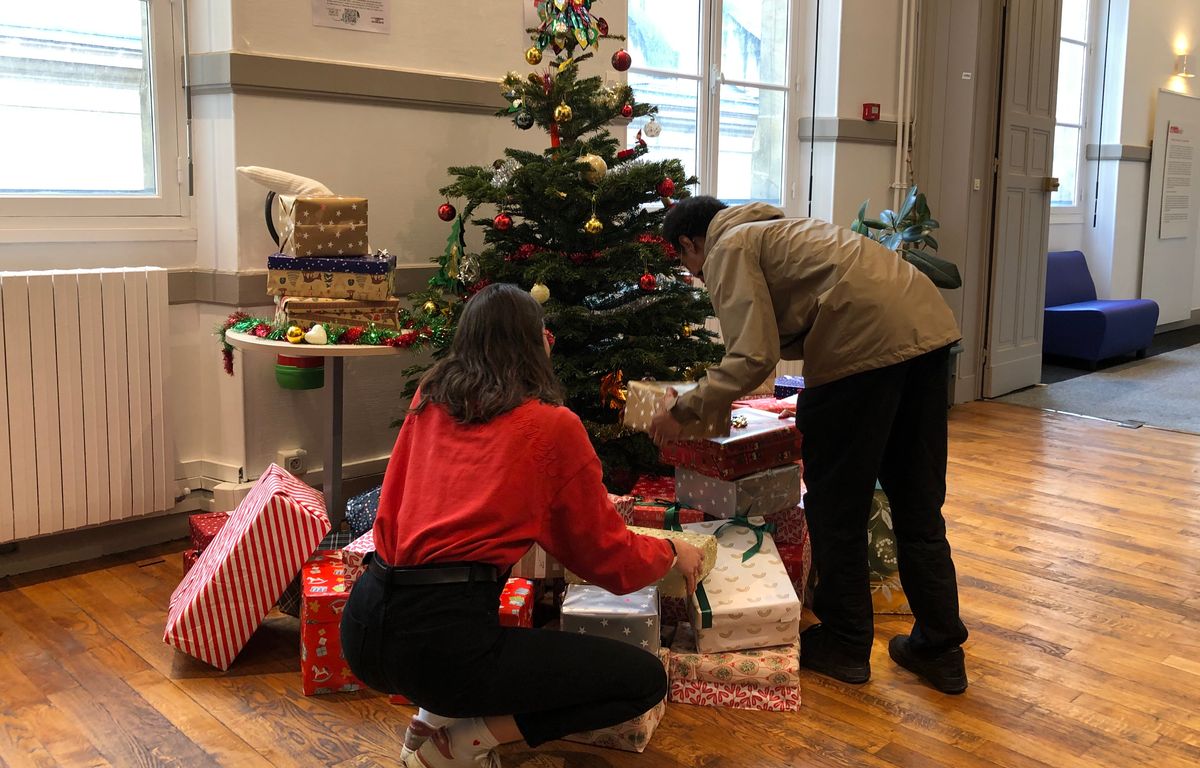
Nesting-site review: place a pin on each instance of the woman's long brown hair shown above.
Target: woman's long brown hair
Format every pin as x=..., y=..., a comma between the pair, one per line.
x=497, y=359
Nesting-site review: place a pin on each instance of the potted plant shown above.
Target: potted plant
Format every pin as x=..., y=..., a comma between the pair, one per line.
x=909, y=232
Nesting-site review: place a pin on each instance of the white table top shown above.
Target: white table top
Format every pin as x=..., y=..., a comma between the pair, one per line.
x=249, y=342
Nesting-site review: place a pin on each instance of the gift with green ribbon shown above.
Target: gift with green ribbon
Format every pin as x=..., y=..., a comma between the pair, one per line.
x=662, y=513
x=747, y=601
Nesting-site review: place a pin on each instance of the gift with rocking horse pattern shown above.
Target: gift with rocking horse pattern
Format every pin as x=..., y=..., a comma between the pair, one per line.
x=327, y=581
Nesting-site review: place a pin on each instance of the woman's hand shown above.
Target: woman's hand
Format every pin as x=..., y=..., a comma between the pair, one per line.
x=688, y=561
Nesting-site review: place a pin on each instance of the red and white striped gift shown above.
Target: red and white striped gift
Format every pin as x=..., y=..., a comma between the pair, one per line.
x=225, y=596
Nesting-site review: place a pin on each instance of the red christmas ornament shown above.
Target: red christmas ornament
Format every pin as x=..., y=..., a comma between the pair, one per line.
x=666, y=187
x=648, y=282
x=621, y=60
x=602, y=25
x=627, y=110
x=502, y=222
x=447, y=212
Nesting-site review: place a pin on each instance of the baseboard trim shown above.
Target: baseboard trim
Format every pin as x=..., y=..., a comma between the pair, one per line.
x=1181, y=324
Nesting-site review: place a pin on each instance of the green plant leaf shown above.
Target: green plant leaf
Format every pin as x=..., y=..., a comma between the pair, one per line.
x=931, y=241
x=891, y=241
x=889, y=218
x=922, y=206
x=875, y=224
x=859, y=228
x=913, y=234
x=944, y=274
x=862, y=210
x=931, y=223
x=910, y=200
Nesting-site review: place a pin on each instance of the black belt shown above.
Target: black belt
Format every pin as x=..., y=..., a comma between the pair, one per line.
x=427, y=575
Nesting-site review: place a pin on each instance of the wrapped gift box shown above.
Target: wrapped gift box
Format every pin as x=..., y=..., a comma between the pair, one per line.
x=765, y=679
x=797, y=559
x=673, y=611
x=786, y=386
x=661, y=513
x=772, y=404
x=361, y=511
x=327, y=583
x=190, y=556
x=763, y=492
x=396, y=698
x=764, y=442
x=237, y=579
x=623, y=504
x=672, y=584
x=654, y=487
x=537, y=563
x=791, y=527
x=290, y=602
x=204, y=528
x=355, y=553
x=630, y=736
x=887, y=595
x=350, y=312
x=642, y=403
x=516, y=603
x=777, y=667
x=734, y=696
x=326, y=226
x=747, y=601
x=365, y=277
x=631, y=618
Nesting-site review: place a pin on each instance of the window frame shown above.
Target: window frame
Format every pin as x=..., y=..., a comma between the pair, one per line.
x=710, y=79
x=22, y=217
x=1072, y=214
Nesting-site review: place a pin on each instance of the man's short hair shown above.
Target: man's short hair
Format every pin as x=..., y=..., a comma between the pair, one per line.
x=690, y=217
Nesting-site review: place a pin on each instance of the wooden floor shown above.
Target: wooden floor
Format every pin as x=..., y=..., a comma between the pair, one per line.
x=1078, y=552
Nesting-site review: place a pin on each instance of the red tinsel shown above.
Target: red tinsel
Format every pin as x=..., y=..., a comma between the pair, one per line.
x=404, y=340
x=227, y=360
x=524, y=252
x=478, y=286
x=352, y=335
x=261, y=330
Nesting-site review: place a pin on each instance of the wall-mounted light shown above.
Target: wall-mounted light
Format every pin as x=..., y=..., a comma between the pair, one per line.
x=1182, y=66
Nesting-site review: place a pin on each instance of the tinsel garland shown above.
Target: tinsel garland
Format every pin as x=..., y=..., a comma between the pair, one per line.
x=369, y=335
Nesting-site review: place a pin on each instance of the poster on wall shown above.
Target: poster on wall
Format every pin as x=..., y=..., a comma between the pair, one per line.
x=358, y=15
x=1176, y=210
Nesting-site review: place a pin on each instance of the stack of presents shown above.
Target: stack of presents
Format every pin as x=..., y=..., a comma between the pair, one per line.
x=733, y=643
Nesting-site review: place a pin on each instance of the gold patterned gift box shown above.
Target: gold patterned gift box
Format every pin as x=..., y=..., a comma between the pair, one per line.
x=747, y=601
x=672, y=585
x=642, y=404
x=371, y=278
x=350, y=312
x=763, y=679
x=326, y=226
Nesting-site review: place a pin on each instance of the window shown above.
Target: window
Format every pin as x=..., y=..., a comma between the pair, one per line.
x=88, y=109
x=1068, y=133
x=719, y=72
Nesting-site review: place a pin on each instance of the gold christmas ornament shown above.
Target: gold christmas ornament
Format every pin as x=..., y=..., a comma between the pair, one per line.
x=593, y=226
x=594, y=168
x=295, y=334
x=687, y=330
x=430, y=307
x=533, y=56
x=540, y=292
x=563, y=113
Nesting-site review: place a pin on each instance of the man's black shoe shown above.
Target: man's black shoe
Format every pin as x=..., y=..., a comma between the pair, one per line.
x=821, y=653
x=946, y=672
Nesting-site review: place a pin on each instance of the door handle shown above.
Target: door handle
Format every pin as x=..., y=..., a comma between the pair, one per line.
x=1050, y=184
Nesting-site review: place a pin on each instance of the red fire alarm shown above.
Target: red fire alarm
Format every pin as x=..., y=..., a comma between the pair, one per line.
x=870, y=112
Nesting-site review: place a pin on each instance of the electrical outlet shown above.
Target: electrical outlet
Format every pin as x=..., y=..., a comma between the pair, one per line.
x=294, y=461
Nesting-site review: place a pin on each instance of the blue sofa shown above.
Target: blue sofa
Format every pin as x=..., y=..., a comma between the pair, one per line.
x=1080, y=326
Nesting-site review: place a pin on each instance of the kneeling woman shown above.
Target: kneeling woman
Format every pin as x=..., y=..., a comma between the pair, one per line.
x=488, y=462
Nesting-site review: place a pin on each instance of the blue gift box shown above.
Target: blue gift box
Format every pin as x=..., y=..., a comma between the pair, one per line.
x=361, y=511
x=786, y=386
x=369, y=278
x=363, y=265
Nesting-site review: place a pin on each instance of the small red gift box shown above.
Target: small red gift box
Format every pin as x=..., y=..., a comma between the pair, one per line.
x=797, y=561
x=654, y=487
x=661, y=513
x=326, y=588
x=791, y=527
x=624, y=504
x=355, y=553
x=516, y=603
x=190, y=556
x=764, y=442
x=205, y=527
x=397, y=698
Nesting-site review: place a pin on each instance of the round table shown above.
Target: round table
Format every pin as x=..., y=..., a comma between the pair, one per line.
x=336, y=355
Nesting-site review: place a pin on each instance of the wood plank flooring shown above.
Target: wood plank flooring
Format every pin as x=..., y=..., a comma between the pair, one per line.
x=1078, y=551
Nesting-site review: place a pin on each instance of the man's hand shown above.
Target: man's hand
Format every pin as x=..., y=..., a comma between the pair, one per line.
x=663, y=427
x=688, y=561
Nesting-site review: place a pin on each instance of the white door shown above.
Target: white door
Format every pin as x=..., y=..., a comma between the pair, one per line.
x=1021, y=223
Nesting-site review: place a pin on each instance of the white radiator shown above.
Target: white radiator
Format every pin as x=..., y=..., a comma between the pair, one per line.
x=82, y=433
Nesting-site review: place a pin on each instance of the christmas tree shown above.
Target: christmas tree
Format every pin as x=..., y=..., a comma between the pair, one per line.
x=577, y=224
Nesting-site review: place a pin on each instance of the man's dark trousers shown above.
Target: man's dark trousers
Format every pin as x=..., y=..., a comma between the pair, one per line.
x=887, y=424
